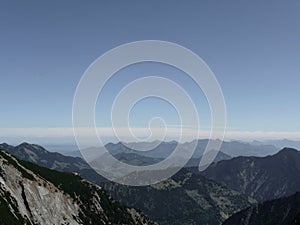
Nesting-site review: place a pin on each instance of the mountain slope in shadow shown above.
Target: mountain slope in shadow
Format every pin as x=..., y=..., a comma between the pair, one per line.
x=185, y=198
x=283, y=211
x=263, y=178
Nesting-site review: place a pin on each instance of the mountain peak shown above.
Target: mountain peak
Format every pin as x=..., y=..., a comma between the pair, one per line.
x=32, y=147
x=26, y=144
x=4, y=145
x=288, y=150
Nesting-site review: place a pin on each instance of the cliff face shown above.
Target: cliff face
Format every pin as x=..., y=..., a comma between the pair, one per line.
x=30, y=194
x=32, y=198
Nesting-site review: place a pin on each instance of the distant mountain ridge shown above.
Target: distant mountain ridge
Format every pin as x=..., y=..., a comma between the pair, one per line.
x=281, y=143
x=231, y=148
x=164, y=149
x=263, y=178
x=128, y=153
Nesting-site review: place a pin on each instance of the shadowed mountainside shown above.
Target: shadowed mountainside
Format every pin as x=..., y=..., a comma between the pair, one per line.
x=283, y=211
x=185, y=198
x=262, y=178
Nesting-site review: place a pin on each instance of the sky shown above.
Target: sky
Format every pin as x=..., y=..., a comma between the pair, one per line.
x=252, y=47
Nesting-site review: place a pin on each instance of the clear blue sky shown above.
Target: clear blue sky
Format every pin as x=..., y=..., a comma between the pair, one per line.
x=253, y=47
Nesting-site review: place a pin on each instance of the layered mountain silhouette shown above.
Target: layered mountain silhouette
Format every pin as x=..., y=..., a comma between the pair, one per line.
x=262, y=178
x=30, y=194
x=283, y=211
x=228, y=189
x=188, y=196
x=164, y=149
x=52, y=160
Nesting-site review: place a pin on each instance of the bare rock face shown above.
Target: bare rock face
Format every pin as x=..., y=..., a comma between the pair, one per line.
x=34, y=195
x=36, y=199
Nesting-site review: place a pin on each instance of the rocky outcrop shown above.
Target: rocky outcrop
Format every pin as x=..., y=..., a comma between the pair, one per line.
x=30, y=194
x=33, y=198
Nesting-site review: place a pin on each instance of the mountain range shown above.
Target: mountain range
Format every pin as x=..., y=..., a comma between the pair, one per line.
x=229, y=189
x=211, y=203
x=160, y=150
